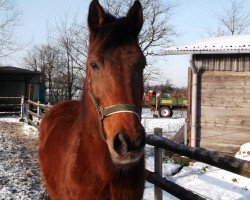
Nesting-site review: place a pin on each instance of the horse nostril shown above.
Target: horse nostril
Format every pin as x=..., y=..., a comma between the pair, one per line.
x=120, y=144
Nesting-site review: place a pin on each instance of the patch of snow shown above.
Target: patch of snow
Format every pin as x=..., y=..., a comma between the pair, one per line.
x=30, y=131
x=213, y=183
x=244, y=152
x=168, y=168
x=169, y=125
x=13, y=118
x=230, y=42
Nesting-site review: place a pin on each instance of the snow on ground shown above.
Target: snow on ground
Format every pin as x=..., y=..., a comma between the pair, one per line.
x=212, y=182
x=244, y=152
x=19, y=174
x=170, y=126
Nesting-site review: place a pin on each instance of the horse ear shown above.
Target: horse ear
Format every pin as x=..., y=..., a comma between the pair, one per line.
x=96, y=16
x=135, y=17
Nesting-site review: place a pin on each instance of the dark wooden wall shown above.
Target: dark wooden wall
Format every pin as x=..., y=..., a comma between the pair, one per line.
x=15, y=85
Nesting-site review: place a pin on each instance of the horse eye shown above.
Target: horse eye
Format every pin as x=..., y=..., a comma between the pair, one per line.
x=94, y=65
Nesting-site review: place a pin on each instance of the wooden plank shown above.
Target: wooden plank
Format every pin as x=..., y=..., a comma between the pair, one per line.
x=220, y=110
x=10, y=105
x=214, y=79
x=229, y=92
x=226, y=134
x=226, y=100
x=11, y=112
x=35, y=114
x=234, y=120
x=10, y=97
x=211, y=103
x=223, y=147
x=224, y=139
x=46, y=107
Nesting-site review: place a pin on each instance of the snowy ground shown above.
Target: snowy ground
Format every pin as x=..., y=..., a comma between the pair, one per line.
x=19, y=176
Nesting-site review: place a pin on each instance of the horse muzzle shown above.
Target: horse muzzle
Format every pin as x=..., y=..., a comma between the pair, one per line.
x=123, y=150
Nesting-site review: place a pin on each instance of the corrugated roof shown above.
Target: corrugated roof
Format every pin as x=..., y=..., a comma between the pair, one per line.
x=214, y=45
x=15, y=70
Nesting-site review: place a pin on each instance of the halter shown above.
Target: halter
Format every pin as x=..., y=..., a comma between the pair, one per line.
x=111, y=110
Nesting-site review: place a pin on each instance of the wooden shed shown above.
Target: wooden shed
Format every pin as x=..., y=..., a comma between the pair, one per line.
x=14, y=82
x=219, y=86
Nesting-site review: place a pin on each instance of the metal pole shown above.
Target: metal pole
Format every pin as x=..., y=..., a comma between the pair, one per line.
x=158, y=165
x=194, y=104
x=185, y=133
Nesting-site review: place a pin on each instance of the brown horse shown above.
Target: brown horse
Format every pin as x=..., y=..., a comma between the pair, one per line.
x=93, y=149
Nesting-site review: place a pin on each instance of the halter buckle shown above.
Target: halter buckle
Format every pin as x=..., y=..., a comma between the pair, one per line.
x=100, y=113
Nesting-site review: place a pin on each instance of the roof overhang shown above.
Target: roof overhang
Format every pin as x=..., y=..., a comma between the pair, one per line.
x=233, y=44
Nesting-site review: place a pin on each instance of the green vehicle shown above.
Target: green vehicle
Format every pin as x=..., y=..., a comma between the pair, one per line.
x=164, y=105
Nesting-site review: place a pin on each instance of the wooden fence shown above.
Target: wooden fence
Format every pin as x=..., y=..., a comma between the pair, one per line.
x=13, y=106
x=226, y=162
x=216, y=159
x=36, y=111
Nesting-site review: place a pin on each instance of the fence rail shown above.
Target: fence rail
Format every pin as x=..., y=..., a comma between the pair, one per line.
x=38, y=114
x=226, y=162
x=13, y=106
x=10, y=97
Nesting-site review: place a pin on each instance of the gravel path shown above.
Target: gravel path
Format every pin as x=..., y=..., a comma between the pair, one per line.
x=19, y=173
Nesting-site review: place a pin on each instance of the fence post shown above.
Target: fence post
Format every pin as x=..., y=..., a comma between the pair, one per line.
x=38, y=111
x=158, y=165
x=31, y=92
x=22, y=109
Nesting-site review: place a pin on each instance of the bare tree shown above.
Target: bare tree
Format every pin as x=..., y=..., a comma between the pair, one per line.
x=233, y=21
x=44, y=58
x=72, y=40
x=9, y=16
x=61, y=60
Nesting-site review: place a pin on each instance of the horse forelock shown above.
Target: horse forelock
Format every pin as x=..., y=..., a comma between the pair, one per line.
x=115, y=32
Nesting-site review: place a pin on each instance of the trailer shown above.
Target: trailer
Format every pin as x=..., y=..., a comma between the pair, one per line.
x=164, y=105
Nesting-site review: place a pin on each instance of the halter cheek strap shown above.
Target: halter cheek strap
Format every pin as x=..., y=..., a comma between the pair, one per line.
x=111, y=110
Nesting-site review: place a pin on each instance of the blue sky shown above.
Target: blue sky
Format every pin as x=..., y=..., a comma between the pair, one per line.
x=191, y=18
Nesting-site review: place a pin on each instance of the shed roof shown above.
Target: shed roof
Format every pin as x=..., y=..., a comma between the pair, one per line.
x=232, y=44
x=15, y=70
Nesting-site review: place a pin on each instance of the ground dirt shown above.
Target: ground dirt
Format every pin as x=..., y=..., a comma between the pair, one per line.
x=19, y=171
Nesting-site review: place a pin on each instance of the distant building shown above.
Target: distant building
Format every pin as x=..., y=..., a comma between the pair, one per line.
x=14, y=82
x=219, y=86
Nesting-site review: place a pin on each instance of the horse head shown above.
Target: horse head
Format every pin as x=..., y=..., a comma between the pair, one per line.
x=115, y=80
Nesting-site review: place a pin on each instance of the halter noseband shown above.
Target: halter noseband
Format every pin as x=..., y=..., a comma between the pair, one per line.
x=111, y=110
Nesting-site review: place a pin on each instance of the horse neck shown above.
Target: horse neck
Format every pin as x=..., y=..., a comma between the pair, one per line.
x=88, y=114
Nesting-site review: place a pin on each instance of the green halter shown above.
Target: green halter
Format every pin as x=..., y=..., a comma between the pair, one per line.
x=111, y=110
